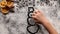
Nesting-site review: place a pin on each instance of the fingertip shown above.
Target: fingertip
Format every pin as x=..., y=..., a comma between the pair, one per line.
x=36, y=9
x=33, y=17
x=33, y=14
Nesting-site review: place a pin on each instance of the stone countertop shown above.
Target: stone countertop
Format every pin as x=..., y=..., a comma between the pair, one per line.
x=16, y=23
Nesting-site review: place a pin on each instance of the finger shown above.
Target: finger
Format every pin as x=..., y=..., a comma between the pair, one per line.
x=36, y=20
x=34, y=17
x=37, y=11
x=33, y=14
x=40, y=11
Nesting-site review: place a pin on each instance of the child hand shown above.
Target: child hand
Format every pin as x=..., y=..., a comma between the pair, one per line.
x=39, y=17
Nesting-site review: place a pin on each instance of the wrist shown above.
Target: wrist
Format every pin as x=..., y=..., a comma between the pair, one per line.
x=45, y=22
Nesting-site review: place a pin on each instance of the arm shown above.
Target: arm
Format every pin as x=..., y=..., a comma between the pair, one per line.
x=38, y=16
x=49, y=28
x=10, y=4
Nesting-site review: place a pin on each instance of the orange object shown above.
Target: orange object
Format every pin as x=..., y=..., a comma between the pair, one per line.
x=5, y=6
x=10, y=4
x=4, y=10
x=8, y=0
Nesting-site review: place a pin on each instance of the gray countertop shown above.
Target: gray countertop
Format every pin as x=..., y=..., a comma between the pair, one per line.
x=16, y=23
